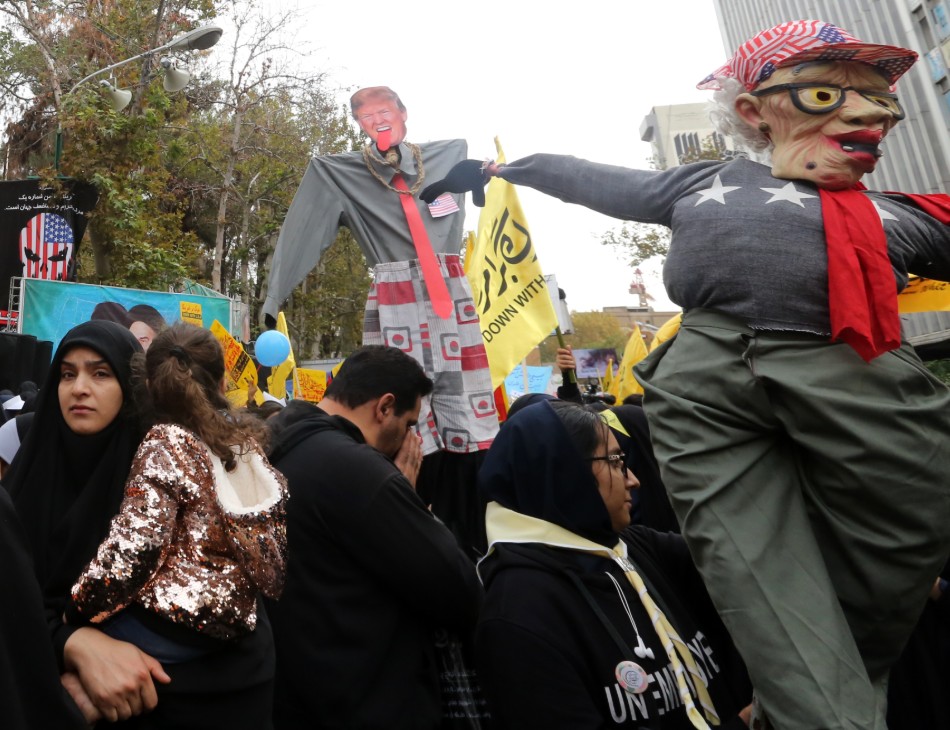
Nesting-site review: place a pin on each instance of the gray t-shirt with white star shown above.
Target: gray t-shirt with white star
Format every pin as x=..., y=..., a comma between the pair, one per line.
x=743, y=242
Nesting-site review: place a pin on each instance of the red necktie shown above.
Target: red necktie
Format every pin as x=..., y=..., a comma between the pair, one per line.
x=431, y=273
x=862, y=292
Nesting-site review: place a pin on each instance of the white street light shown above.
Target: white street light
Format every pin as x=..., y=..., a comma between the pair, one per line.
x=197, y=39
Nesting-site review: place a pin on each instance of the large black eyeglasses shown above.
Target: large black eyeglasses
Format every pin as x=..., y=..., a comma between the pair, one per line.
x=824, y=98
x=617, y=461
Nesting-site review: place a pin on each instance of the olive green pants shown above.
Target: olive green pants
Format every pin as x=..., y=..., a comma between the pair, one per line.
x=813, y=490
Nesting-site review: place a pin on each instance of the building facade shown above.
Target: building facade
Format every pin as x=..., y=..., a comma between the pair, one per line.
x=678, y=133
x=917, y=151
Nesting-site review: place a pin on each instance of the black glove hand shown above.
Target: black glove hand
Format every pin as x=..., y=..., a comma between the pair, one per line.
x=466, y=177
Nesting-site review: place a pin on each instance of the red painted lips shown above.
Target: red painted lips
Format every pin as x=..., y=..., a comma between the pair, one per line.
x=861, y=143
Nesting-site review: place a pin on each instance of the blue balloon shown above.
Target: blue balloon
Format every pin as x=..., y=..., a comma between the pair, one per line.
x=271, y=348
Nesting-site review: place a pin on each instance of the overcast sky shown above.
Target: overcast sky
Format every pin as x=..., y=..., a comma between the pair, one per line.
x=564, y=77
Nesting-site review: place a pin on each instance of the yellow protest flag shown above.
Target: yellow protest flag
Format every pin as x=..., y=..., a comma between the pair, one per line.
x=469, y=251
x=313, y=384
x=511, y=296
x=279, y=375
x=238, y=366
x=666, y=332
x=924, y=295
x=626, y=384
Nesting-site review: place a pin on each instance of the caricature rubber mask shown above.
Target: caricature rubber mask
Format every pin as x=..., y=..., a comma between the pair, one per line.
x=832, y=135
x=830, y=141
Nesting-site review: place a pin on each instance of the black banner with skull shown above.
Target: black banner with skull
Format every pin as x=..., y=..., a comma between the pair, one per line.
x=40, y=229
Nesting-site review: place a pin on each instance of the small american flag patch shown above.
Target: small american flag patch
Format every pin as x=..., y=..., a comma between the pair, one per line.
x=442, y=206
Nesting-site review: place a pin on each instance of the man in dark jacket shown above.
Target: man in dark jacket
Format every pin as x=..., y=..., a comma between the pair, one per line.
x=371, y=573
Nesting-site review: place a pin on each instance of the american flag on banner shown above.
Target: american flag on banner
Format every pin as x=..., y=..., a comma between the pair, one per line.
x=442, y=206
x=46, y=247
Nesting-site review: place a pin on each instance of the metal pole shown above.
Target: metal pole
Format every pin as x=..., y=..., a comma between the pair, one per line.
x=572, y=373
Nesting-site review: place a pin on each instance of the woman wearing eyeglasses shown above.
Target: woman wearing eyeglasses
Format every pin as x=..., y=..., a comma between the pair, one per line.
x=580, y=628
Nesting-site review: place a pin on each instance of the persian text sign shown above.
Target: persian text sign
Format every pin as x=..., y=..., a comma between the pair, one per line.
x=313, y=384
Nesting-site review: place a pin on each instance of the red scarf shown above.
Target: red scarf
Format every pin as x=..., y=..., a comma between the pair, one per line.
x=862, y=295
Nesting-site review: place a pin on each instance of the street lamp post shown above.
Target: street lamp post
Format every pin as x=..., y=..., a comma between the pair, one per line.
x=198, y=39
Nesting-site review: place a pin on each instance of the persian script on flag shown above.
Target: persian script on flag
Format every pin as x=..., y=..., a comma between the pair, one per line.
x=237, y=364
x=511, y=298
x=313, y=384
x=924, y=295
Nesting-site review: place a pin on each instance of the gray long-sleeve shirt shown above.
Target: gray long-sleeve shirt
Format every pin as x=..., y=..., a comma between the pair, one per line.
x=338, y=190
x=743, y=242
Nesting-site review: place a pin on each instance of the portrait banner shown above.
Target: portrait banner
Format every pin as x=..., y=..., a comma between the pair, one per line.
x=40, y=230
x=593, y=363
x=49, y=309
x=514, y=308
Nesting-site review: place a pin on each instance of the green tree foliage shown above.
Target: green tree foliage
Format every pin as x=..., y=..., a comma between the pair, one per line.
x=329, y=305
x=192, y=185
x=940, y=368
x=135, y=232
x=636, y=242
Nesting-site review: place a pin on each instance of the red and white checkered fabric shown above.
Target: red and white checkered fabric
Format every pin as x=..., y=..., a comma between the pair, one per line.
x=460, y=414
x=799, y=41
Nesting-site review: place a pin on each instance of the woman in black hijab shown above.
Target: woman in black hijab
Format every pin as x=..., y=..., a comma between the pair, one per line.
x=66, y=482
x=587, y=623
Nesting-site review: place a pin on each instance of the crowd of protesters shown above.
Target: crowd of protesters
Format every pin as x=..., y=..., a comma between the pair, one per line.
x=168, y=562
x=143, y=528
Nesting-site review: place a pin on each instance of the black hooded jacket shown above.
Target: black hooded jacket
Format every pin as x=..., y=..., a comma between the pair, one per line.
x=371, y=575
x=29, y=678
x=538, y=633
x=554, y=628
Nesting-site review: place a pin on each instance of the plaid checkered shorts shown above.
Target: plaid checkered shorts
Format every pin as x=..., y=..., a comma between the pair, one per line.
x=460, y=414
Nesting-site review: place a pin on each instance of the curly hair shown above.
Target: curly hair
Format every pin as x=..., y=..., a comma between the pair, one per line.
x=726, y=120
x=184, y=370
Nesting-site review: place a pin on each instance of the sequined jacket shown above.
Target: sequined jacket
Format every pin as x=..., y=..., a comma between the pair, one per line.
x=191, y=542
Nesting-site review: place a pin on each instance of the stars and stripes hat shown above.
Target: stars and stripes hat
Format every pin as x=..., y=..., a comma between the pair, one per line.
x=799, y=41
